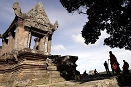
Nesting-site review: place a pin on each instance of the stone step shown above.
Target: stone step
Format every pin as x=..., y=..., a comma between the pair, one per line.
x=96, y=83
x=58, y=84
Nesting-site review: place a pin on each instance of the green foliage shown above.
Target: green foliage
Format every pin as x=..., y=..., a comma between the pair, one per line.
x=114, y=16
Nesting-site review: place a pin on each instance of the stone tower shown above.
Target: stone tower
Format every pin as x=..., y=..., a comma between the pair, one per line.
x=25, y=25
x=22, y=66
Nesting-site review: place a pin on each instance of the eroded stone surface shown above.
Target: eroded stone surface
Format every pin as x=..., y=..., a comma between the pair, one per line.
x=25, y=25
x=22, y=66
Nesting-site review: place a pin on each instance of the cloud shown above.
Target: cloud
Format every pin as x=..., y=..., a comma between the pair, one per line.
x=68, y=34
x=78, y=39
x=58, y=48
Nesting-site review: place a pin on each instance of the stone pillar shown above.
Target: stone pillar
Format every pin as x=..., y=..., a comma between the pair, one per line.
x=37, y=40
x=27, y=37
x=11, y=41
x=4, y=46
x=43, y=45
x=49, y=43
x=22, y=36
x=19, y=38
x=46, y=45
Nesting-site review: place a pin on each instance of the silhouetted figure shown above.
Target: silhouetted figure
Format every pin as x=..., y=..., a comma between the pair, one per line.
x=95, y=72
x=106, y=67
x=125, y=67
x=114, y=63
x=84, y=73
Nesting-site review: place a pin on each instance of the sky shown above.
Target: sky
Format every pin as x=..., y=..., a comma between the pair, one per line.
x=67, y=39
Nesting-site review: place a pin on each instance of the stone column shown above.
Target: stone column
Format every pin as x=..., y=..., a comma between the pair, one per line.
x=27, y=37
x=11, y=41
x=49, y=43
x=22, y=36
x=37, y=40
x=4, y=46
x=46, y=45
x=43, y=45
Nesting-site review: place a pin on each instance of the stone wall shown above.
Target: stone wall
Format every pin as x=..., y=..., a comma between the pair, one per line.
x=22, y=66
x=66, y=65
x=30, y=67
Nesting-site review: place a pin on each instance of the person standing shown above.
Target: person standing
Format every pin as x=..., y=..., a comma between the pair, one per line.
x=125, y=67
x=95, y=72
x=114, y=63
x=106, y=67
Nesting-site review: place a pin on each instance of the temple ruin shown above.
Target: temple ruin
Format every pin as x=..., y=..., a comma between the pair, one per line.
x=22, y=66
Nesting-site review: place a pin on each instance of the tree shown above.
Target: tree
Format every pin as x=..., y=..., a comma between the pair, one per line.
x=114, y=16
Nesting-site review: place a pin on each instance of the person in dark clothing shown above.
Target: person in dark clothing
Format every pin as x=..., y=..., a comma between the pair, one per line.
x=95, y=72
x=125, y=67
x=114, y=63
x=106, y=67
x=84, y=73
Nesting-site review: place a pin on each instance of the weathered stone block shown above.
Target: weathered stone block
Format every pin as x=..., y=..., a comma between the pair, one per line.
x=22, y=66
x=54, y=74
x=50, y=67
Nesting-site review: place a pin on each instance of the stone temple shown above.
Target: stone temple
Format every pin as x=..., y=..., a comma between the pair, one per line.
x=21, y=66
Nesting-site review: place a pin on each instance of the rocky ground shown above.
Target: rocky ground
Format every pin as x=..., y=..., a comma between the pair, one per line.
x=88, y=81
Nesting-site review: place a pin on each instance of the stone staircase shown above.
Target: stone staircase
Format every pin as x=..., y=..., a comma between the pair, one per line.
x=109, y=81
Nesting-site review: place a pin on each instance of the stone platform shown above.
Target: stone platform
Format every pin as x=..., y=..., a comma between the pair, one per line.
x=29, y=67
x=95, y=81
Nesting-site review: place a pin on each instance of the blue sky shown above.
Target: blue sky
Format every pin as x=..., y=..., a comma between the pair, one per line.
x=67, y=38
